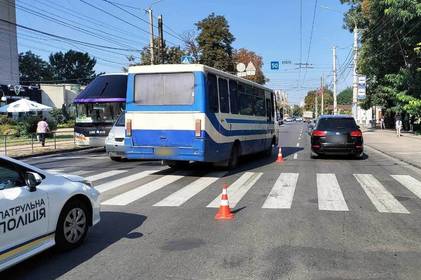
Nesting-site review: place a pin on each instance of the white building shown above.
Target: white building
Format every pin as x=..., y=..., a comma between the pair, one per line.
x=57, y=95
x=9, y=61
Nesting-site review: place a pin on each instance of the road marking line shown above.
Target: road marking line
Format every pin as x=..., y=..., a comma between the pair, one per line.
x=119, y=182
x=142, y=191
x=81, y=172
x=238, y=189
x=183, y=195
x=105, y=175
x=55, y=171
x=295, y=156
x=383, y=200
x=410, y=183
x=329, y=193
x=282, y=193
x=298, y=144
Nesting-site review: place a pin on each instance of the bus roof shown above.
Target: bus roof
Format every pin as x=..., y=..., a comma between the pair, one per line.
x=173, y=68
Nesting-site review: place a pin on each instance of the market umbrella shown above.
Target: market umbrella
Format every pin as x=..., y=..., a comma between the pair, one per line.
x=24, y=106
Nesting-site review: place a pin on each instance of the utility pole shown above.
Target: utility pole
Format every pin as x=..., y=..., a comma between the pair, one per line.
x=335, y=109
x=322, y=92
x=355, y=77
x=161, y=39
x=316, y=105
x=151, y=44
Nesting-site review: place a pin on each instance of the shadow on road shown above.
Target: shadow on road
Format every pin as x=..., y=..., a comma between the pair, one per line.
x=52, y=264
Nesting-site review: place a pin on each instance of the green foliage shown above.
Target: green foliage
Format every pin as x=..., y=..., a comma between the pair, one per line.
x=72, y=66
x=33, y=68
x=8, y=129
x=297, y=111
x=67, y=124
x=215, y=43
x=4, y=119
x=345, y=97
x=390, y=51
x=28, y=125
x=309, y=100
x=172, y=55
x=57, y=115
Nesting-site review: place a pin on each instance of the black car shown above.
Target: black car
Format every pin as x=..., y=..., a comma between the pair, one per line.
x=336, y=135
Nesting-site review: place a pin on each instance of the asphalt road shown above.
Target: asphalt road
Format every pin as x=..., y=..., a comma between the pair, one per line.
x=329, y=218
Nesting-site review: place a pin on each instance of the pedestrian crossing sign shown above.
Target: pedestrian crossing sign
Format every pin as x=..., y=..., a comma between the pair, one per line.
x=186, y=59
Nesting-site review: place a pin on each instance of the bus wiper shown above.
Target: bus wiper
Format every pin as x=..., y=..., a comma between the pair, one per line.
x=102, y=91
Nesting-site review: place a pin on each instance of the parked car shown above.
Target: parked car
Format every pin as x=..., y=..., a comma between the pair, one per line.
x=299, y=119
x=39, y=210
x=114, y=143
x=337, y=135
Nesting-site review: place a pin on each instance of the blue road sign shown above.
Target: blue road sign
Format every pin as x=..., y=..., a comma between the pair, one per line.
x=274, y=65
x=186, y=59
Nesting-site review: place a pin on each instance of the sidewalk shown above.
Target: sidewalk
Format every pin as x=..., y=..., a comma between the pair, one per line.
x=406, y=148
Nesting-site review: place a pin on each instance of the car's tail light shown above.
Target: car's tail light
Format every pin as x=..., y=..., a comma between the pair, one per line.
x=129, y=128
x=356, y=133
x=197, y=128
x=319, y=133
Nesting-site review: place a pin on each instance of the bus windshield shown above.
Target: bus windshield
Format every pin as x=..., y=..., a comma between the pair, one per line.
x=98, y=112
x=164, y=89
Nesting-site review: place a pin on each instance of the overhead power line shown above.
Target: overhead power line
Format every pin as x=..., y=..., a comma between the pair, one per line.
x=66, y=38
x=311, y=38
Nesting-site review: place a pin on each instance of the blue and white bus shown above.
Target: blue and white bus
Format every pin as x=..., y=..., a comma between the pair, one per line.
x=191, y=112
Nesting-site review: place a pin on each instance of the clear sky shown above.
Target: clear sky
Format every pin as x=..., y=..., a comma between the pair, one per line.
x=271, y=28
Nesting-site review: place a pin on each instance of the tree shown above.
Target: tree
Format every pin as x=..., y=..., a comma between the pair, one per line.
x=388, y=55
x=190, y=44
x=73, y=66
x=327, y=101
x=172, y=55
x=214, y=41
x=345, y=97
x=245, y=56
x=297, y=111
x=33, y=69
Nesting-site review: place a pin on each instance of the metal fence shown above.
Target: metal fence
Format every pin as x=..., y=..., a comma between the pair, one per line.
x=27, y=145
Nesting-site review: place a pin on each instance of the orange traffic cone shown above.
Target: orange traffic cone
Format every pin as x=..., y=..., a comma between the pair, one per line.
x=224, y=212
x=280, y=158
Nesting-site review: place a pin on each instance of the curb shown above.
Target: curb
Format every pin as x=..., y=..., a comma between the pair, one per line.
x=71, y=150
x=403, y=134
x=394, y=157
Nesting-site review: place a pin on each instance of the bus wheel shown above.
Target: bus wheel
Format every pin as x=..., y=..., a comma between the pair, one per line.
x=233, y=160
x=177, y=164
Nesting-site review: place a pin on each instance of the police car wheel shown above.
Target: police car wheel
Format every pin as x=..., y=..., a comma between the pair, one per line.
x=72, y=225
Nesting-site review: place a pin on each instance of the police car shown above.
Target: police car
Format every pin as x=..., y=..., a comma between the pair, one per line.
x=39, y=210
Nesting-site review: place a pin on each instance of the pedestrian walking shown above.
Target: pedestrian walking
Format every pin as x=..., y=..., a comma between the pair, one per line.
x=42, y=130
x=382, y=123
x=398, y=125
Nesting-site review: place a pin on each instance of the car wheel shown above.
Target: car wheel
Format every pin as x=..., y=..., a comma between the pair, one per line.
x=72, y=225
x=116, y=158
x=359, y=156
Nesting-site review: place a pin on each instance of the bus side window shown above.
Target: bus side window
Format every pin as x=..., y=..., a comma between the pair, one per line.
x=268, y=109
x=212, y=93
x=223, y=95
x=233, y=97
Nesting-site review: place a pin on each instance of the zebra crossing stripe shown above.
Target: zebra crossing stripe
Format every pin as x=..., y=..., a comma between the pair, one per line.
x=181, y=196
x=410, y=183
x=238, y=189
x=103, y=175
x=119, y=182
x=383, y=200
x=329, y=193
x=282, y=193
x=55, y=171
x=143, y=190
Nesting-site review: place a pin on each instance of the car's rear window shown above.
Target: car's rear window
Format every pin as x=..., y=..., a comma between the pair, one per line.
x=336, y=124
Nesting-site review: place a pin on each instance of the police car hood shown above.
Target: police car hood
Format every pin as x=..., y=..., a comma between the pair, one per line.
x=73, y=178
